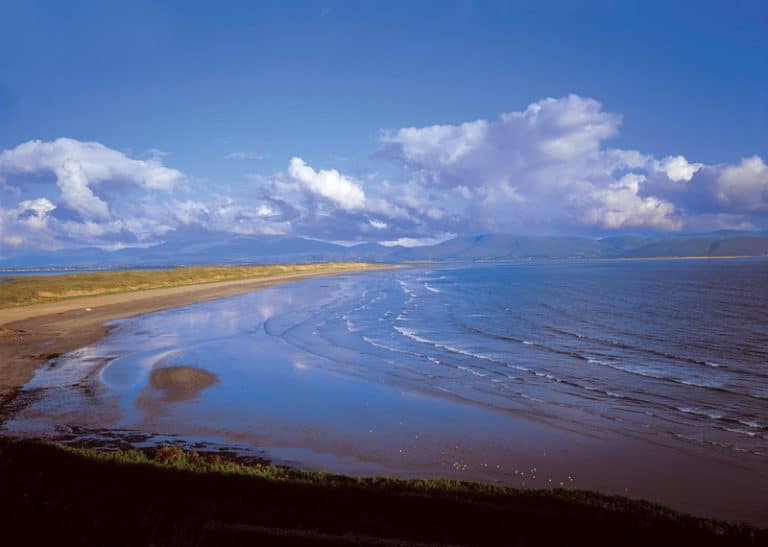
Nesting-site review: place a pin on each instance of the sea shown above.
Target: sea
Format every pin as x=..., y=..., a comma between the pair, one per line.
x=646, y=378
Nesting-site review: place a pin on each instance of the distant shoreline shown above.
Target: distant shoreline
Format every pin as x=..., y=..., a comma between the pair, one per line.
x=730, y=257
x=35, y=333
x=573, y=259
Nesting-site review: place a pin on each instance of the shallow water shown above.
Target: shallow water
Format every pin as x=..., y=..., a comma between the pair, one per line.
x=646, y=378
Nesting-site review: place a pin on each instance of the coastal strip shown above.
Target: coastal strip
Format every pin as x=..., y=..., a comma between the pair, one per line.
x=32, y=334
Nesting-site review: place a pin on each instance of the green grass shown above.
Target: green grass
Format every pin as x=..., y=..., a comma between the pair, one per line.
x=168, y=496
x=24, y=290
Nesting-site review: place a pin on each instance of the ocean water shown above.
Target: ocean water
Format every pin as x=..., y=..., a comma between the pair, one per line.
x=646, y=378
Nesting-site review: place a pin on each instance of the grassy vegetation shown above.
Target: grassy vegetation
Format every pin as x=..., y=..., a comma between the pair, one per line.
x=23, y=290
x=167, y=496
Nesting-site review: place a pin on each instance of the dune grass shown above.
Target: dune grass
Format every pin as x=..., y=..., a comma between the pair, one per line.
x=168, y=496
x=24, y=290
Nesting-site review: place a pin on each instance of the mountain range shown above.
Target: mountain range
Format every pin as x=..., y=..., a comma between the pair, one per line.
x=218, y=248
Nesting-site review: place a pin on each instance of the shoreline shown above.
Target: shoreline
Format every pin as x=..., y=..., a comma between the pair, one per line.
x=32, y=334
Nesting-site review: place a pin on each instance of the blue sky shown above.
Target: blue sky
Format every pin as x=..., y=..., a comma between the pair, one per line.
x=631, y=117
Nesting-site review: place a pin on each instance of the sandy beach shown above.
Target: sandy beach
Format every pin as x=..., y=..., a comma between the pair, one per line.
x=30, y=335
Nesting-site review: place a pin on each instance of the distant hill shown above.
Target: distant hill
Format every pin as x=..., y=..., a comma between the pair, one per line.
x=709, y=246
x=202, y=249
x=220, y=248
x=507, y=247
x=501, y=246
x=504, y=246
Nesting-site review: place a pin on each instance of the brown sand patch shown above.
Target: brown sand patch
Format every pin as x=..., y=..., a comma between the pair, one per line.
x=181, y=382
x=172, y=385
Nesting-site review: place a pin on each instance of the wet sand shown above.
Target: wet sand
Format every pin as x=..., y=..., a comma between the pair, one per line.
x=30, y=335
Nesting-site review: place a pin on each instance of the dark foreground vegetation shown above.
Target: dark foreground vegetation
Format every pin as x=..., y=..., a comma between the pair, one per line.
x=167, y=496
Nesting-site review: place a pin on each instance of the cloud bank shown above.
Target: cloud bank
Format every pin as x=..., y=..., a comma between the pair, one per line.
x=548, y=168
x=78, y=166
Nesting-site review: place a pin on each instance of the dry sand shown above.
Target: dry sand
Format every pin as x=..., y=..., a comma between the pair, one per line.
x=30, y=335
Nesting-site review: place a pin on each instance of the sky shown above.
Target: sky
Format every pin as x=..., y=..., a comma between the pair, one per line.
x=122, y=123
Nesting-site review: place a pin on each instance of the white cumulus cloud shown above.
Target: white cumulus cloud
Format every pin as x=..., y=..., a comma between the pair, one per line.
x=330, y=184
x=27, y=221
x=80, y=165
x=744, y=186
x=548, y=168
x=678, y=169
